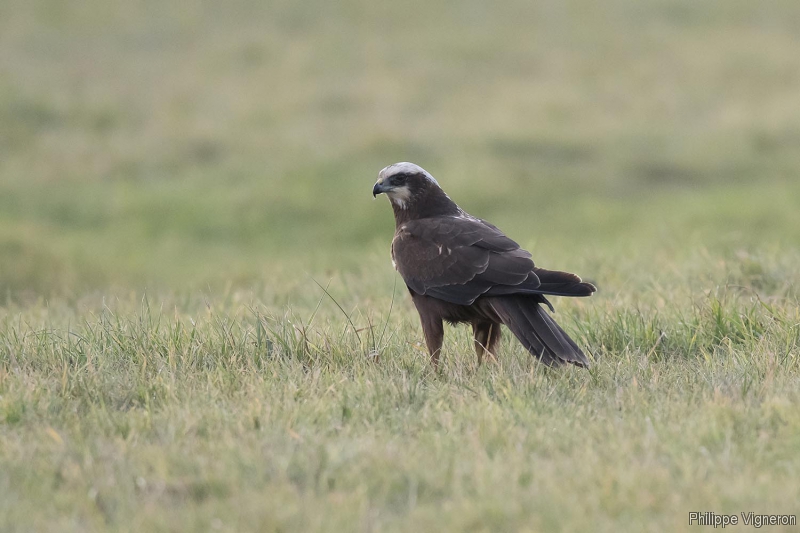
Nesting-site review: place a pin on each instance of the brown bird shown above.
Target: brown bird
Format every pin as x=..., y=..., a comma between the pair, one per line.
x=461, y=269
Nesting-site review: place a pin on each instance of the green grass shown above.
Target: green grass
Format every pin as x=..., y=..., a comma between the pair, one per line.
x=174, y=177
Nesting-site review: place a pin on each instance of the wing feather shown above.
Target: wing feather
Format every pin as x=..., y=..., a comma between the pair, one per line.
x=457, y=259
x=460, y=258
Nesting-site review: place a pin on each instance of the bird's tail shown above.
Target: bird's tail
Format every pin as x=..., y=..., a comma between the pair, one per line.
x=537, y=331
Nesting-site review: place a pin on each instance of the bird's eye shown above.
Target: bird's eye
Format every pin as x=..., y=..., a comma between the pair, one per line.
x=399, y=179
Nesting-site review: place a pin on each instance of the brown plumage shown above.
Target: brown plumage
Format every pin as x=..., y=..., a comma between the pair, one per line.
x=461, y=269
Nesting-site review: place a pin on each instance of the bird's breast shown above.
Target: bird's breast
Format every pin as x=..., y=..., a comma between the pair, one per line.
x=394, y=263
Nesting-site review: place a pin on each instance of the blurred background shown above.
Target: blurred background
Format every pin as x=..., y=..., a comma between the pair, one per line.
x=194, y=144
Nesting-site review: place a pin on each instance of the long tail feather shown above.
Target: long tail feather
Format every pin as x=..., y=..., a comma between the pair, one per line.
x=537, y=331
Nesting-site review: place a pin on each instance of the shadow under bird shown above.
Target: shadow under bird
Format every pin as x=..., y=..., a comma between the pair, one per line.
x=461, y=269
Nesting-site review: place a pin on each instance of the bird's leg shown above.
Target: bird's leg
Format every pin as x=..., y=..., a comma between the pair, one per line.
x=433, y=329
x=480, y=332
x=494, y=339
x=486, y=335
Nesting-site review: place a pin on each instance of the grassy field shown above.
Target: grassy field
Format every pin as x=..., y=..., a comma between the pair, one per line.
x=176, y=177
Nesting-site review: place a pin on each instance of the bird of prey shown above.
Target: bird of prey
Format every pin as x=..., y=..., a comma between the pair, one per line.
x=461, y=269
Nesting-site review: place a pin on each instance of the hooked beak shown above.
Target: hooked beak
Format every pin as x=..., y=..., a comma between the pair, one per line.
x=378, y=189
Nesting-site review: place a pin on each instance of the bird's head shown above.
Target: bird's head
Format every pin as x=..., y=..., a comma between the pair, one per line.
x=404, y=183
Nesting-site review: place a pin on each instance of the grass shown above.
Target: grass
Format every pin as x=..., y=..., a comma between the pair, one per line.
x=173, y=178
x=236, y=416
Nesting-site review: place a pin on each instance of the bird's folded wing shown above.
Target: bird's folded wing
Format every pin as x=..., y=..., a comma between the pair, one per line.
x=457, y=259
